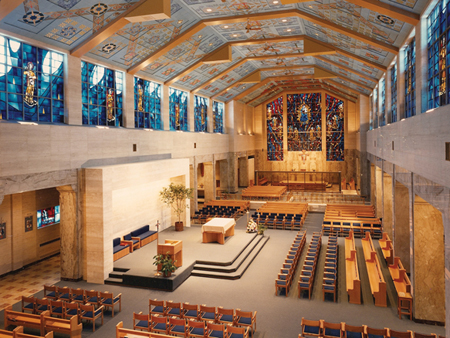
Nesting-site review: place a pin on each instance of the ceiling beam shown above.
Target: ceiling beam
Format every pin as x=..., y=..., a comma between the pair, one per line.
x=221, y=55
x=253, y=77
x=389, y=10
x=346, y=78
x=337, y=84
x=144, y=10
x=7, y=6
x=348, y=69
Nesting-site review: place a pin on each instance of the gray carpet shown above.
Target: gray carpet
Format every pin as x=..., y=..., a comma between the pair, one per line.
x=278, y=316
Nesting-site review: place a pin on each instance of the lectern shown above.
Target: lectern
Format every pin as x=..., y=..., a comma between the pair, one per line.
x=174, y=249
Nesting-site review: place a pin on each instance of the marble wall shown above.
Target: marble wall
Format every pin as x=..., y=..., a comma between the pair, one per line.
x=379, y=192
x=401, y=236
x=387, y=204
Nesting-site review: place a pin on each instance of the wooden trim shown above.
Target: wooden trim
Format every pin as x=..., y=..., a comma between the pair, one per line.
x=7, y=6
x=346, y=78
x=348, y=69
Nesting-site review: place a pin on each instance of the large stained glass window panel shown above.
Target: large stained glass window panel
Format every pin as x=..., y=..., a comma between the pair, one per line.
x=147, y=104
x=274, y=113
x=218, y=112
x=335, y=129
x=31, y=83
x=178, y=102
x=102, y=95
x=371, y=112
x=375, y=108
x=304, y=122
x=438, y=55
x=410, y=79
x=383, y=102
x=394, y=93
x=200, y=113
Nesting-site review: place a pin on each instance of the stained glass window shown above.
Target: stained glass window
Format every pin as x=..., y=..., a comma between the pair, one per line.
x=335, y=129
x=375, y=108
x=200, y=113
x=147, y=104
x=383, y=102
x=31, y=83
x=394, y=93
x=102, y=95
x=371, y=112
x=274, y=112
x=438, y=55
x=178, y=101
x=410, y=79
x=304, y=122
x=218, y=112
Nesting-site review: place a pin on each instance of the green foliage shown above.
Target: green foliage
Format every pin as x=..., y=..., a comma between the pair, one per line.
x=261, y=228
x=167, y=265
x=175, y=196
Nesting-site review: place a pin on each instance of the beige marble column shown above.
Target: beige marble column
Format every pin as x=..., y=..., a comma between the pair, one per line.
x=17, y=232
x=387, y=204
x=128, y=99
x=429, y=260
x=401, y=236
x=209, y=181
x=233, y=173
x=373, y=195
x=69, y=234
x=223, y=174
x=379, y=191
x=192, y=180
x=72, y=89
x=243, y=171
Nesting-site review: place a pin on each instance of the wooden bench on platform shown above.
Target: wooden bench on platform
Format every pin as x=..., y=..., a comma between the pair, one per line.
x=353, y=282
x=387, y=248
x=376, y=279
x=121, y=333
x=65, y=326
x=403, y=287
x=264, y=192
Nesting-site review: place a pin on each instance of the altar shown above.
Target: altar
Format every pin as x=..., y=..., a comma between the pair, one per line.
x=217, y=229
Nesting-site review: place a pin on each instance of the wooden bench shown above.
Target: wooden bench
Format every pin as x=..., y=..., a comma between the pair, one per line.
x=264, y=192
x=65, y=326
x=19, y=334
x=353, y=282
x=387, y=248
x=403, y=287
x=13, y=333
x=121, y=333
x=263, y=181
x=25, y=319
x=376, y=279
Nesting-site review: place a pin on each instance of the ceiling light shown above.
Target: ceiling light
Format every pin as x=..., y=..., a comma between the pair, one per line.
x=288, y=30
x=284, y=20
x=209, y=10
x=225, y=26
x=235, y=35
x=310, y=6
x=275, y=2
x=200, y=36
x=180, y=21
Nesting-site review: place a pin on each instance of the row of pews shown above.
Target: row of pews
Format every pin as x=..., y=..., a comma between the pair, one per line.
x=353, y=281
x=18, y=333
x=287, y=272
x=329, y=284
x=266, y=193
x=307, y=275
x=285, y=216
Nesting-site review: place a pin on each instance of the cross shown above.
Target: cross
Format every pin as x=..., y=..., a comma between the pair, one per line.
x=303, y=156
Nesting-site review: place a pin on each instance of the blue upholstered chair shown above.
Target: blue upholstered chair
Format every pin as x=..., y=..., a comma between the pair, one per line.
x=246, y=319
x=282, y=283
x=28, y=304
x=225, y=316
x=311, y=327
x=63, y=293
x=174, y=309
x=216, y=330
x=90, y=314
x=353, y=331
x=71, y=309
x=178, y=327
x=375, y=333
x=77, y=295
x=41, y=305
x=157, y=307
x=207, y=313
x=108, y=300
x=56, y=308
x=400, y=334
x=50, y=292
x=237, y=332
x=196, y=329
x=159, y=324
x=141, y=321
x=332, y=330
x=190, y=311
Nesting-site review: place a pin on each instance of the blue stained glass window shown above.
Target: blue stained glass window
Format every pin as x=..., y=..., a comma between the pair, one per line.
x=200, y=113
x=102, y=95
x=438, y=55
x=274, y=112
x=410, y=79
x=371, y=112
x=383, y=102
x=394, y=93
x=31, y=83
x=335, y=129
x=375, y=108
x=178, y=101
x=147, y=104
x=218, y=112
x=304, y=122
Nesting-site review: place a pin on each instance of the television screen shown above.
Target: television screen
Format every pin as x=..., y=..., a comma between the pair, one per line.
x=48, y=216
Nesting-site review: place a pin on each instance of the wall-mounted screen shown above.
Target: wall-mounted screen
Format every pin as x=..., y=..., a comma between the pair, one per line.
x=48, y=216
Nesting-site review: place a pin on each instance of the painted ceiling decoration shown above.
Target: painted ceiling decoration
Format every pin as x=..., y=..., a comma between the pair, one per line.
x=343, y=46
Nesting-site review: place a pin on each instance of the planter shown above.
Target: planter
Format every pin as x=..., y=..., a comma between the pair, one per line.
x=178, y=226
x=167, y=274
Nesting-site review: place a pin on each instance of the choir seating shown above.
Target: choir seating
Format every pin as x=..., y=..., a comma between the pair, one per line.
x=402, y=287
x=28, y=304
x=196, y=329
x=156, y=307
x=69, y=327
x=144, y=235
x=353, y=331
x=190, y=311
x=159, y=324
x=237, y=332
x=332, y=330
x=178, y=327
x=216, y=330
x=246, y=319
x=120, y=248
x=329, y=284
x=50, y=292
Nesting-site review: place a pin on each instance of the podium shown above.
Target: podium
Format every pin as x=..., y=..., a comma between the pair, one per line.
x=175, y=250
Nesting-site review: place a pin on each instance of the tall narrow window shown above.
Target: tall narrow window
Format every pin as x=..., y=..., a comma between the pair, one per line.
x=178, y=101
x=410, y=79
x=218, y=112
x=371, y=112
x=201, y=113
x=304, y=122
x=147, y=104
x=31, y=83
x=394, y=93
x=438, y=51
x=102, y=95
x=335, y=129
x=274, y=113
x=375, y=108
x=383, y=102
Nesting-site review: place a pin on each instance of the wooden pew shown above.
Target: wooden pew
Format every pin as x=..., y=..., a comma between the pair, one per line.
x=387, y=248
x=11, y=334
x=121, y=333
x=19, y=334
x=353, y=282
x=65, y=326
x=376, y=279
x=403, y=287
x=25, y=319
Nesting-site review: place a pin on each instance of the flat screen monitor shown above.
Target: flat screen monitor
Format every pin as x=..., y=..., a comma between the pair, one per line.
x=47, y=217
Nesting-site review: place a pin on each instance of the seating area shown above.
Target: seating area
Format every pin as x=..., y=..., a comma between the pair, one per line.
x=285, y=216
x=306, y=280
x=121, y=248
x=329, y=284
x=376, y=279
x=132, y=241
x=287, y=272
x=220, y=208
x=264, y=193
x=18, y=333
x=352, y=279
x=387, y=248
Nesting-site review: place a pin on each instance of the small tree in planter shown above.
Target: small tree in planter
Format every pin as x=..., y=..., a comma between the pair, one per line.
x=165, y=264
x=175, y=196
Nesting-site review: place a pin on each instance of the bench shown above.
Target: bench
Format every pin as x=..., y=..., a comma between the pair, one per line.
x=121, y=333
x=25, y=319
x=376, y=279
x=120, y=249
x=145, y=235
x=12, y=334
x=19, y=334
x=402, y=286
x=65, y=326
x=387, y=248
x=353, y=282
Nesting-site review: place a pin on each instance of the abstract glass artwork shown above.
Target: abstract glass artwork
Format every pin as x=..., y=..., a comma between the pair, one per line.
x=410, y=79
x=304, y=122
x=438, y=55
x=335, y=129
x=31, y=83
x=218, y=111
x=147, y=104
x=383, y=102
x=200, y=113
x=102, y=95
x=394, y=93
x=274, y=113
x=178, y=101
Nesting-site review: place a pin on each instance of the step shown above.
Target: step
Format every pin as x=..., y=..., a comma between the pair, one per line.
x=115, y=274
x=113, y=281
x=242, y=268
x=120, y=269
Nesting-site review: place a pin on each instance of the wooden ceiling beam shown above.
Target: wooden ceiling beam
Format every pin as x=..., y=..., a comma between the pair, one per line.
x=345, y=78
x=337, y=84
x=7, y=6
x=348, y=69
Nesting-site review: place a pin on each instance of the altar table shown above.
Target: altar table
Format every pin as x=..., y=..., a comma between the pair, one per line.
x=217, y=229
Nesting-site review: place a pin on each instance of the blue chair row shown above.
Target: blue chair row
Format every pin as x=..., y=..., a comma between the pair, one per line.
x=342, y=228
x=306, y=280
x=329, y=284
x=287, y=272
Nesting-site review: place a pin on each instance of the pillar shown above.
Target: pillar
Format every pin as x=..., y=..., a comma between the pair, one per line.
x=165, y=112
x=373, y=195
x=209, y=181
x=401, y=235
x=387, y=204
x=193, y=182
x=243, y=171
x=232, y=173
x=17, y=232
x=128, y=99
x=73, y=113
x=223, y=175
x=379, y=192
x=69, y=234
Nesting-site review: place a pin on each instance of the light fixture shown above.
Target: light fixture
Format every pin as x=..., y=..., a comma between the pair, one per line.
x=200, y=36
x=275, y=2
x=28, y=123
x=102, y=127
x=209, y=10
x=225, y=26
x=235, y=35
x=284, y=20
x=288, y=30
x=180, y=21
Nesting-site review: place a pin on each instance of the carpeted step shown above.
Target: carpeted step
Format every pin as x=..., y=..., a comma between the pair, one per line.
x=231, y=272
x=113, y=281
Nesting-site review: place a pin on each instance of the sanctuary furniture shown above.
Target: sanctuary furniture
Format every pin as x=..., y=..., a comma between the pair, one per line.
x=120, y=248
x=264, y=192
x=174, y=248
x=145, y=235
x=387, y=248
x=90, y=313
x=403, y=287
x=24, y=319
x=217, y=229
x=329, y=284
x=307, y=275
x=13, y=333
x=352, y=280
x=65, y=326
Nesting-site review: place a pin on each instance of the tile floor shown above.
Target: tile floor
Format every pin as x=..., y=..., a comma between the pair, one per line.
x=28, y=281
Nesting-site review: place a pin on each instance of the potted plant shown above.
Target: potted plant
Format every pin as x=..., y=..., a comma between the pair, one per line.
x=165, y=264
x=175, y=196
x=261, y=228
